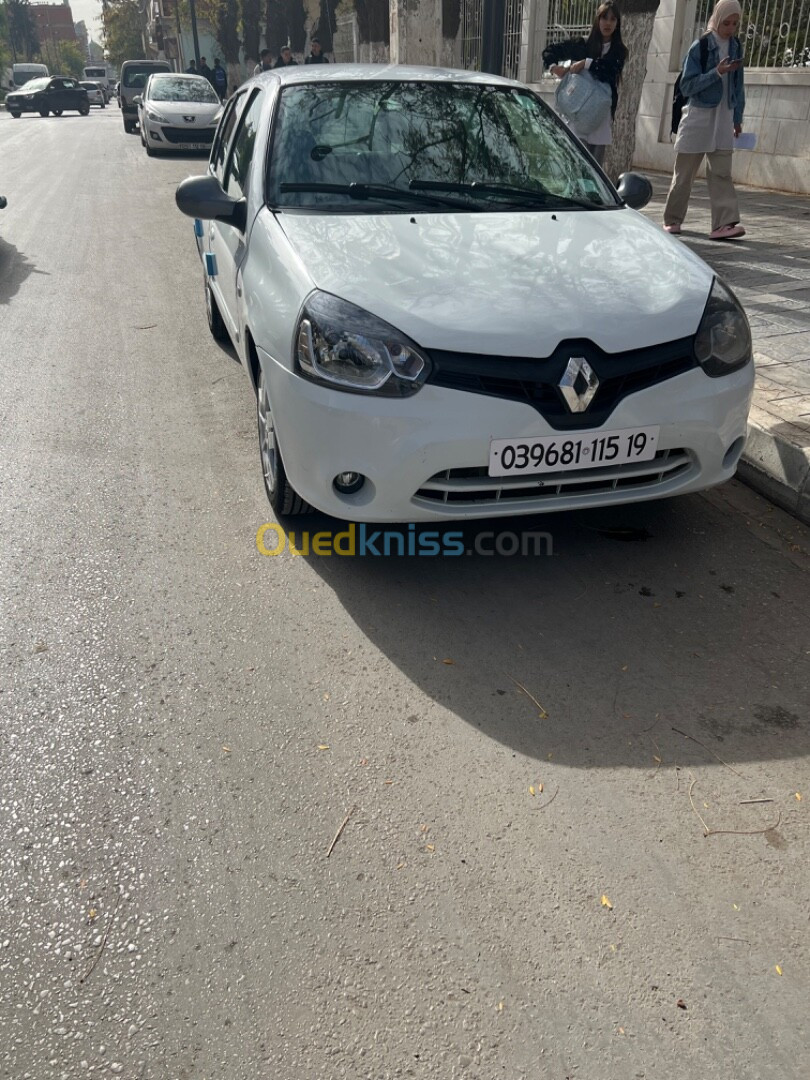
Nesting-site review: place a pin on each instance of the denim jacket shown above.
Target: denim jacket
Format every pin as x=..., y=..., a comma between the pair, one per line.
x=704, y=89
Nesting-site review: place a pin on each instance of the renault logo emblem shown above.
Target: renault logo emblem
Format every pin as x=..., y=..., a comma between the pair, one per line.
x=578, y=384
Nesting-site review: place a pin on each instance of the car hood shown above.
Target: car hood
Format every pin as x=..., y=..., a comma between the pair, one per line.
x=175, y=110
x=508, y=284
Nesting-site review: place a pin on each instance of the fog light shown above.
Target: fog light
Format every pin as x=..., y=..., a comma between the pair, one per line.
x=349, y=482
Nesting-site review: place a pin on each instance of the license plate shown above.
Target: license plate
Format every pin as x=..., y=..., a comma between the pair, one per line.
x=193, y=146
x=564, y=453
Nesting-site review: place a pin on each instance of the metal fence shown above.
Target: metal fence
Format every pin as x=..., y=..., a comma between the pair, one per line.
x=472, y=34
x=512, y=29
x=774, y=33
x=569, y=18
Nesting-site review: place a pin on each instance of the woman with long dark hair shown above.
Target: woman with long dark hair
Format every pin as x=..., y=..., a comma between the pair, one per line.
x=603, y=54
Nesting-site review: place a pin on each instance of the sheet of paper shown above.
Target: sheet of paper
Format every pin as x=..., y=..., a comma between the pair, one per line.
x=746, y=140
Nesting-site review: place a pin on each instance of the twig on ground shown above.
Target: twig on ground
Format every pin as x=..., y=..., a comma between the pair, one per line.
x=730, y=832
x=692, y=804
x=520, y=686
x=747, y=832
x=722, y=937
x=747, y=802
x=340, y=830
x=542, y=806
x=710, y=751
x=85, y=977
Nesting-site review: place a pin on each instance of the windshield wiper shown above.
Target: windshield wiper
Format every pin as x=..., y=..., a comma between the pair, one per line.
x=533, y=195
x=389, y=192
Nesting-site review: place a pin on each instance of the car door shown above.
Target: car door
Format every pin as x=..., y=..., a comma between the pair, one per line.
x=54, y=95
x=231, y=167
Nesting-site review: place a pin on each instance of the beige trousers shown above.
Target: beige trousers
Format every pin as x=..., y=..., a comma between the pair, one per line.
x=722, y=196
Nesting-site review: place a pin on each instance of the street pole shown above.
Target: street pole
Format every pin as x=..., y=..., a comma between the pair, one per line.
x=194, y=33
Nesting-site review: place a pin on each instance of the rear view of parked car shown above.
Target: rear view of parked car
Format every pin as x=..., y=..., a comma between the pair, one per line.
x=178, y=112
x=95, y=94
x=134, y=74
x=47, y=96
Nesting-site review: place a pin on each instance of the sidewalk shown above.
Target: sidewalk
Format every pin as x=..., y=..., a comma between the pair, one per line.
x=769, y=271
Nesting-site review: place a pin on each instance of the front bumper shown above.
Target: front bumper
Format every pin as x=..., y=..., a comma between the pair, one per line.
x=425, y=457
x=170, y=137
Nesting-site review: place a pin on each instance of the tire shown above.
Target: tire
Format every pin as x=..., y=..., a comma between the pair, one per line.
x=104, y=104
x=282, y=496
x=14, y=115
x=149, y=151
x=57, y=112
x=129, y=126
x=84, y=108
x=216, y=324
x=44, y=112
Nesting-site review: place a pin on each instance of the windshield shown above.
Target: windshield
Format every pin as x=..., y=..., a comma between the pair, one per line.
x=36, y=84
x=96, y=73
x=137, y=75
x=183, y=90
x=464, y=145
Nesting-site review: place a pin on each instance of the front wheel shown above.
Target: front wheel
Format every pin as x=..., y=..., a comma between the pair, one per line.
x=84, y=108
x=14, y=115
x=44, y=112
x=282, y=495
x=57, y=112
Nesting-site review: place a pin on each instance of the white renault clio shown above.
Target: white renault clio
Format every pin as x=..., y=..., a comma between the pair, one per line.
x=446, y=309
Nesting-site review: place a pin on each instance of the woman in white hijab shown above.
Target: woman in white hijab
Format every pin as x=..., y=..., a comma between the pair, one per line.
x=712, y=80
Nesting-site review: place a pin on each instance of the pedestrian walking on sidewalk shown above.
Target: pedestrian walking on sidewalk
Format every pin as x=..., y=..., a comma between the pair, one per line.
x=315, y=54
x=602, y=54
x=712, y=81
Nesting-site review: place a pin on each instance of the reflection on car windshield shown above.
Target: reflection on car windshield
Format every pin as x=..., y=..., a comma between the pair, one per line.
x=490, y=146
x=36, y=84
x=182, y=90
x=136, y=76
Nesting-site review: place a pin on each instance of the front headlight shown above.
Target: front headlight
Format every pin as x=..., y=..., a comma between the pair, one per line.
x=155, y=117
x=344, y=347
x=723, y=341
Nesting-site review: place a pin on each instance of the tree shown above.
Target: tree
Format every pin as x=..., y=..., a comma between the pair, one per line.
x=123, y=31
x=285, y=23
x=22, y=31
x=70, y=60
x=251, y=17
x=638, y=17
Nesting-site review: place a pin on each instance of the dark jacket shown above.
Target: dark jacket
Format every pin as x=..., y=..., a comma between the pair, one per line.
x=290, y=63
x=206, y=72
x=605, y=68
x=316, y=59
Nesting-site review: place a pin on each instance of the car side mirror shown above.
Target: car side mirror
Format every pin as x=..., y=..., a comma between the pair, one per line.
x=203, y=197
x=137, y=99
x=634, y=190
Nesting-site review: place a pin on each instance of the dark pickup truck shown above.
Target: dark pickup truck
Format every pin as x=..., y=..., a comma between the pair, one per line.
x=48, y=95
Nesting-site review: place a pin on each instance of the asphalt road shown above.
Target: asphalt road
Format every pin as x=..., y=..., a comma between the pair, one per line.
x=523, y=887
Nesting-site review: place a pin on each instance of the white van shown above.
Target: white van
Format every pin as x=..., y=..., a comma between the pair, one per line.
x=23, y=73
x=134, y=74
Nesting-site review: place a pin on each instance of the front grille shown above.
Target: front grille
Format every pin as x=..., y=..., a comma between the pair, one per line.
x=472, y=486
x=536, y=382
x=189, y=135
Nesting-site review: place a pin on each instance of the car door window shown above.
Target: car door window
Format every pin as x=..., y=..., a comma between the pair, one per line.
x=242, y=153
x=219, y=154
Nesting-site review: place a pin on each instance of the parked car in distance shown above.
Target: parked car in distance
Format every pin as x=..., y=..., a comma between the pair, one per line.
x=46, y=96
x=446, y=309
x=95, y=93
x=134, y=74
x=178, y=112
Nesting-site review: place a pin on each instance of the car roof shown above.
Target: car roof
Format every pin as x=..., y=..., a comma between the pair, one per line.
x=312, y=73
x=179, y=75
